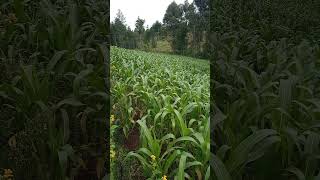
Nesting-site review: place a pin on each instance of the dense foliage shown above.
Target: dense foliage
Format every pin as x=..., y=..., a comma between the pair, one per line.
x=266, y=89
x=184, y=27
x=160, y=108
x=53, y=88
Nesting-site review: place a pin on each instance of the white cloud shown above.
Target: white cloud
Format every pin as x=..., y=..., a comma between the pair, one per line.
x=150, y=10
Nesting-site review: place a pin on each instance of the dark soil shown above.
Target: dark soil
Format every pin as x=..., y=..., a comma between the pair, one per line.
x=89, y=173
x=132, y=142
x=138, y=177
x=130, y=169
x=137, y=115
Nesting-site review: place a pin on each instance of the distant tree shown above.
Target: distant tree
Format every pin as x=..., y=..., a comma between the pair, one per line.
x=148, y=37
x=118, y=30
x=174, y=23
x=194, y=27
x=121, y=35
x=180, y=40
x=131, y=41
x=154, y=33
x=140, y=25
x=190, y=13
x=120, y=16
x=140, y=28
x=173, y=16
x=156, y=27
x=203, y=24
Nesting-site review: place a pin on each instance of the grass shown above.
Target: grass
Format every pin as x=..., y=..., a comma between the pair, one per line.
x=164, y=99
x=163, y=46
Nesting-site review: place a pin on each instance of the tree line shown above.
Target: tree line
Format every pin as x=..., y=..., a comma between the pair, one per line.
x=184, y=27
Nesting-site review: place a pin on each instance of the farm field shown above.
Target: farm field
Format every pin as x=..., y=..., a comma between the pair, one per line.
x=160, y=116
x=265, y=87
x=266, y=124
x=53, y=90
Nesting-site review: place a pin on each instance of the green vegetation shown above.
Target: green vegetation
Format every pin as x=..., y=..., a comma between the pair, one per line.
x=184, y=27
x=161, y=108
x=163, y=46
x=266, y=89
x=53, y=89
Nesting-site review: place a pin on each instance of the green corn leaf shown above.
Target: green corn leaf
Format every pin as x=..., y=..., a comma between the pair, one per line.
x=54, y=60
x=297, y=172
x=219, y=169
x=240, y=154
x=70, y=101
x=182, y=167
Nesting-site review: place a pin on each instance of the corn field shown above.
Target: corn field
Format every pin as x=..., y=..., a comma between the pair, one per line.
x=261, y=120
x=53, y=89
x=265, y=82
x=268, y=122
x=160, y=109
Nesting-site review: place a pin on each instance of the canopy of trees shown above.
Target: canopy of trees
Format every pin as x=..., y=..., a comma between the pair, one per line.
x=184, y=26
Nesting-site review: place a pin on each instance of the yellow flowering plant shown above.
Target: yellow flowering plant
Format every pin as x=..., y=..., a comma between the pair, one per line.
x=153, y=157
x=112, y=130
x=112, y=154
x=112, y=118
x=164, y=177
x=112, y=144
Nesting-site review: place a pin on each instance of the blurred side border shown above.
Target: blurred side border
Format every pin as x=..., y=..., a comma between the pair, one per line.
x=54, y=89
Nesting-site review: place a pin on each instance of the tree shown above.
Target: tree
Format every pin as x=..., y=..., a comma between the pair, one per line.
x=173, y=16
x=140, y=25
x=155, y=31
x=174, y=23
x=156, y=27
x=131, y=39
x=194, y=27
x=121, y=35
x=147, y=37
x=140, y=28
x=120, y=16
x=180, y=40
x=203, y=23
x=118, y=30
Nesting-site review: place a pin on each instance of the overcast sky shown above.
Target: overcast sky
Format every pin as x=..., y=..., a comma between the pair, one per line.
x=150, y=10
